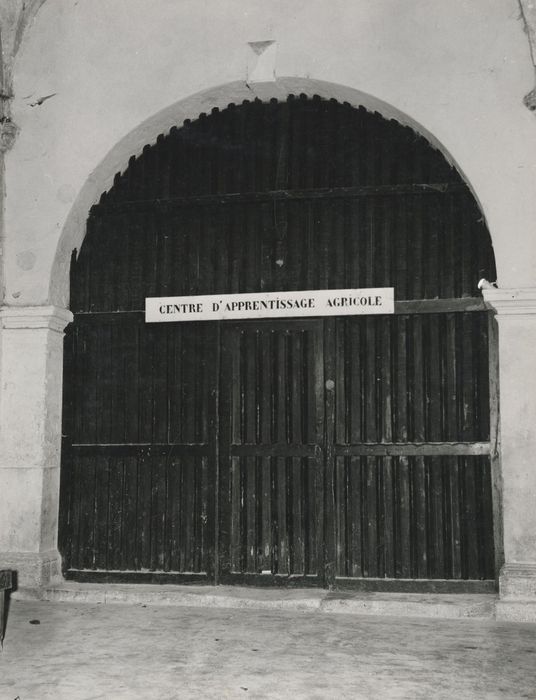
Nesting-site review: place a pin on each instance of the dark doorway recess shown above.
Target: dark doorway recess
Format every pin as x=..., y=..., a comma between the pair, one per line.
x=348, y=451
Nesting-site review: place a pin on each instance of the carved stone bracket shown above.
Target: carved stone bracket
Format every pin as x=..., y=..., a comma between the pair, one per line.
x=530, y=100
x=8, y=134
x=528, y=16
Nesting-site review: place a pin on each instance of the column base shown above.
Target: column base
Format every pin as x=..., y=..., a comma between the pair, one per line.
x=517, y=586
x=32, y=571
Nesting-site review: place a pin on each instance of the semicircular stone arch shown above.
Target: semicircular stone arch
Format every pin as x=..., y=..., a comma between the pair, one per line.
x=299, y=145
x=330, y=451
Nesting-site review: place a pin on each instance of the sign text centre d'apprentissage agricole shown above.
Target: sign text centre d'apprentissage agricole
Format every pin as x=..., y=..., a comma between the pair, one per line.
x=220, y=307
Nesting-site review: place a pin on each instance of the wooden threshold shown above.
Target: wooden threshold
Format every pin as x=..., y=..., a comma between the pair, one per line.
x=155, y=577
x=402, y=585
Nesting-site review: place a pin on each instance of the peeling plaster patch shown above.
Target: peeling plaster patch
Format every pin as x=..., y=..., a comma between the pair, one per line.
x=530, y=100
x=528, y=17
x=26, y=260
x=40, y=101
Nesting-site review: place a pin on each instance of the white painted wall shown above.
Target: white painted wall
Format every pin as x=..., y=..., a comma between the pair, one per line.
x=123, y=71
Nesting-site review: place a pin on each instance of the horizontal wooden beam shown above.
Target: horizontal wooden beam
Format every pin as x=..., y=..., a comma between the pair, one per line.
x=278, y=195
x=403, y=307
x=437, y=306
x=365, y=449
x=413, y=449
x=276, y=450
x=145, y=449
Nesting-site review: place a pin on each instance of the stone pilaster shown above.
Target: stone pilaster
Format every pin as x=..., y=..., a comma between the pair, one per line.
x=516, y=317
x=31, y=369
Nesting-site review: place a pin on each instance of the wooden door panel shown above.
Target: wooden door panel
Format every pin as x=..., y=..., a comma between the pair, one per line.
x=414, y=518
x=271, y=450
x=139, y=453
x=412, y=378
x=412, y=480
x=273, y=524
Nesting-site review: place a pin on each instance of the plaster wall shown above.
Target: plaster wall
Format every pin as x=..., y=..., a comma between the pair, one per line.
x=116, y=74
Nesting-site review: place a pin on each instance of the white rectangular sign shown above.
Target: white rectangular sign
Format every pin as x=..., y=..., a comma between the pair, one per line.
x=323, y=302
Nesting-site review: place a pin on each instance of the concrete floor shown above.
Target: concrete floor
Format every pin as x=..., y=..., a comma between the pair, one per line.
x=95, y=651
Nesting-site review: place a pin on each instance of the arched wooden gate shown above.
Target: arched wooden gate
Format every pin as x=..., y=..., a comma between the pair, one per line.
x=350, y=450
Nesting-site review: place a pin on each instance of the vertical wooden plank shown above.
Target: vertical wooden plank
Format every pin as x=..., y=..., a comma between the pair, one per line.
x=189, y=512
x=86, y=530
x=158, y=509
x=431, y=248
x=197, y=522
x=451, y=481
x=173, y=513
x=481, y=387
x=434, y=396
x=329, y=436
x=436, y=551
x=144, y=509
x=386, y=547
x=417, y=396
x=75, y=519
x=89, y=366
x=189, y=384
x=341, y=516
x=100, y=526
x=249, y=386
x=296, y=387
x=145, y=396
x=374, y=539
x=495, y=457
x=129, y=555
x=469, y=524
x=484, y=518
x=297, y=560
x=228, y=386
x=235, y=525
x=419, y=538
x=265, y=560
x=402, y=508
x=401, y=382
x=369, y=388
x=315, y=361
x=283, y=563
x=160, y=364
x=452, y=515
x=353, y=518
x=341, y=378
x=249, y=512
x=265, y=379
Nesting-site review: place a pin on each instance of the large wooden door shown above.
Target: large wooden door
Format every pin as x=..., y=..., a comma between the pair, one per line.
x=349, y=451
